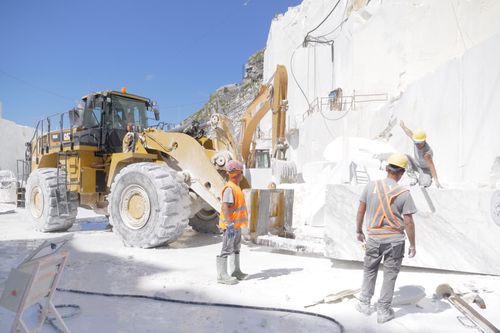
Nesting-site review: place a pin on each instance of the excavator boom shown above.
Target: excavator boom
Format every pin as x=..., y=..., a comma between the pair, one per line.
x=271, y=97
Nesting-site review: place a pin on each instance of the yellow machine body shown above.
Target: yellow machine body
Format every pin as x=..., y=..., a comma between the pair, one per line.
x=92, y=155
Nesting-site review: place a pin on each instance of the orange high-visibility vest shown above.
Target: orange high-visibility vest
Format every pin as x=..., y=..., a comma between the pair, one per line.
x=384, y=212
x=238, y=212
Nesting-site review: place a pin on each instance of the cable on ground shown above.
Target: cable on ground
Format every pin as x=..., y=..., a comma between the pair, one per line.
x=51, y=320
x=226, y=305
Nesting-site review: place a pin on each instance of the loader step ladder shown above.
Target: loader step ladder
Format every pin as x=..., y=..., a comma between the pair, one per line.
x=358, y=174
x=23, y=170
x=65, y=171
x=20, y=197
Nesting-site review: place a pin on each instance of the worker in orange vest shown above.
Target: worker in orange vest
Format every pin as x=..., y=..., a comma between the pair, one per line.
x=389, y=210
x=233, y=217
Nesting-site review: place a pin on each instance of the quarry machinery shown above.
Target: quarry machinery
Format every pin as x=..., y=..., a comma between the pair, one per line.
x=270, y=208
x=103, y=155
x=271, y=96
x=150, y=182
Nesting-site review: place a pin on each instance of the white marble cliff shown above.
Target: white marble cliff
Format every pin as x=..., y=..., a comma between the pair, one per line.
x=434, y=65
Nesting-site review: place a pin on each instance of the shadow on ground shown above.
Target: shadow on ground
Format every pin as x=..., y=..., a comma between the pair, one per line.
x=272, y=273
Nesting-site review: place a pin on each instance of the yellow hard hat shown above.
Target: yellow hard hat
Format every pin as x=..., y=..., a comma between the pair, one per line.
x=419, y=136
x=399, y=160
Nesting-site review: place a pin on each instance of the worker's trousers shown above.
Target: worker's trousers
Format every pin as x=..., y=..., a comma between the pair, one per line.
x=392, y=254
x=231, y=245
x=421, y=176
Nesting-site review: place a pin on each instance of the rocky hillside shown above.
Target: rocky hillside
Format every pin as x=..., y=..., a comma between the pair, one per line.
x=232, y=99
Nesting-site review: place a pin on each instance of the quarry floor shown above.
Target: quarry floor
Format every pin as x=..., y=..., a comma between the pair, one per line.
x=185, y=270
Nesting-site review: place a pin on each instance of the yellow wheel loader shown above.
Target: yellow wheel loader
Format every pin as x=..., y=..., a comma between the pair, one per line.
x=151, y=182
x=104, y=156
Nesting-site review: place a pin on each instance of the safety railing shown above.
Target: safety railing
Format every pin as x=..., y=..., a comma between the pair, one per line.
x=51, y=132
x=339, y=102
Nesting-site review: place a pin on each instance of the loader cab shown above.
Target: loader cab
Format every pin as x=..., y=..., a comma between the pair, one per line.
x=124, y=114
x=107, y=116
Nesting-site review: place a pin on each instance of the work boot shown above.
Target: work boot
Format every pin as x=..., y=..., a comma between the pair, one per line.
x=384, y=314
x=222, y=276
x=234, y=267
x=364, y=308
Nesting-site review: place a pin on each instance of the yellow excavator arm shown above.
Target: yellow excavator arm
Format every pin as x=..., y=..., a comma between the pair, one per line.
x=271, y=96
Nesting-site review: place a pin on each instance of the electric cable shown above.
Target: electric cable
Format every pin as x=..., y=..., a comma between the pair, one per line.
x=226, y=305
x=295, y=78
x=321, y=23
x=338, y=118
x=325, y=118
x=34, y=85
x=52, y=320
x=315, y=39
x=182, y=105
x=458, y=25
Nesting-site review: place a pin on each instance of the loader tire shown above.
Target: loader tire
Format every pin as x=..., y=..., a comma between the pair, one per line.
x=42, y=201
x=206, y=221
x=148, y=205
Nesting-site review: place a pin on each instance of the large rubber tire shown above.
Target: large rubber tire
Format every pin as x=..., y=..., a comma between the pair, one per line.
x=206, y=221
x=41, y=201
x=149, y=205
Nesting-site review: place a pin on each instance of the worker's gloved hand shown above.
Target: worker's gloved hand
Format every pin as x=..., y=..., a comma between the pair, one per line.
x=412, y=252
x=230, y=230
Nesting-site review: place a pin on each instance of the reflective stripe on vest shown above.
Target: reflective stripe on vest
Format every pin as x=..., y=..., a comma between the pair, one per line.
x=238, y=212
x=384, y=212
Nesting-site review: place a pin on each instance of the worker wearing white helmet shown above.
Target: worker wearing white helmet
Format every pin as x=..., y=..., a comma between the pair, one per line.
x=389, y=208
x=423, y=156
x=233, y=217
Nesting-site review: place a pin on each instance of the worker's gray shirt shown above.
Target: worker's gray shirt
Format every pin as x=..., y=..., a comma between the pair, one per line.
x=402, y=205
x=419, y=157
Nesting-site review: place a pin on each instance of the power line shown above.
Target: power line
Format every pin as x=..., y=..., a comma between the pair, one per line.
x=182, y=105
x=35, y=86
x=25, y=82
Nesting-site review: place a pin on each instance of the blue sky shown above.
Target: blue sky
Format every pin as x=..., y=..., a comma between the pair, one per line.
x=52, y=52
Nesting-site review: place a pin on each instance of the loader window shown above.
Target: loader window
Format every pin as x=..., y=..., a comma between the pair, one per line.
x=127, y=111
x=92, y=117
x=88, y=122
